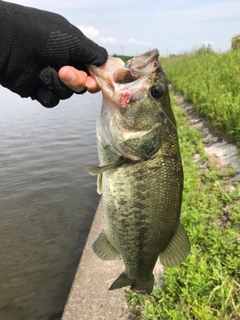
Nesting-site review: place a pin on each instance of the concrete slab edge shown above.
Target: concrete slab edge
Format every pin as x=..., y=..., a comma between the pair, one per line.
x=89, y=298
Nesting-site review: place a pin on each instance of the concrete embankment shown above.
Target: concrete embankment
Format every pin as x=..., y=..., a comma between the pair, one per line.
x=89, y=298
x=226, y=153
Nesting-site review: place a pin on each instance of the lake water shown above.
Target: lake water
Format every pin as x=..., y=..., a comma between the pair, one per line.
x=47, y=201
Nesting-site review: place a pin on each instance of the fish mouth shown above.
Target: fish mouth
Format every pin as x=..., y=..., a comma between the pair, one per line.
x=138, y=64
x=143, y=61
x=114, y=74
x=137, y=67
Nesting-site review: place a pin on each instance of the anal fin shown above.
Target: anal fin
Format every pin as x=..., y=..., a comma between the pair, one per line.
x=177, y=250
x=104, y=249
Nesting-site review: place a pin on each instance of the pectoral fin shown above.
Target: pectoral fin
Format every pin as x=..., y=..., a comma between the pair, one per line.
x=95, y=170
x=104, y=249
x=177, y=250
x=99, y=184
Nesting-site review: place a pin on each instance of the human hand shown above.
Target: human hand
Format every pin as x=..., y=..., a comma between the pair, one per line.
x=35, y=45
x=77, y=80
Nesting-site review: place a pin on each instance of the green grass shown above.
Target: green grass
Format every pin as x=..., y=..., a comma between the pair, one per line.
x=211, y=81
x=206, y=285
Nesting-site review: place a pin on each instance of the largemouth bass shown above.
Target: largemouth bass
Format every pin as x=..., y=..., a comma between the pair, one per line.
x=140, y=174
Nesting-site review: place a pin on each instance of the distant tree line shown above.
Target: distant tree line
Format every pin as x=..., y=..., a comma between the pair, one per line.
x=124, y=58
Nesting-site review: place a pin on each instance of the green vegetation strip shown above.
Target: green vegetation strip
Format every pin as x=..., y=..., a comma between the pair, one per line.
x=211, y=81
x=206, y=285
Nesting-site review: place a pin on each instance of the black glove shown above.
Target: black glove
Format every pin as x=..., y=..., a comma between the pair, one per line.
x=34, y=45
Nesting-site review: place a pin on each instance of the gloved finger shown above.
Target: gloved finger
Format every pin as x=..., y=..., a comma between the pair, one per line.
x=89, y=52
x=50, y=80
x=46, y=97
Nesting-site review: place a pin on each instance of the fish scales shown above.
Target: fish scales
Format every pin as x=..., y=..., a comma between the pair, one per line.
x=140, y=173
x=132, y=222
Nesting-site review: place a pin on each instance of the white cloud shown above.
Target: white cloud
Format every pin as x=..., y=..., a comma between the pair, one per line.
x=108, y=40
x=89, y=32
x=131, y=41
x=136, y=42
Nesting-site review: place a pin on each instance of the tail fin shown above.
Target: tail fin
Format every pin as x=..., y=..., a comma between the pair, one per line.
x=138, y=286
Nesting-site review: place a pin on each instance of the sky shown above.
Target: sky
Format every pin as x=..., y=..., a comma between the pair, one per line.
x=132, y=27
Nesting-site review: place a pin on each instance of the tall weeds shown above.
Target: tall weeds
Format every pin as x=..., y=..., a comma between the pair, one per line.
x=212, y=82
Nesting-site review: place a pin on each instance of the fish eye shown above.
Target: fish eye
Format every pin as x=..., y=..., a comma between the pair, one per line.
x=156, y=91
